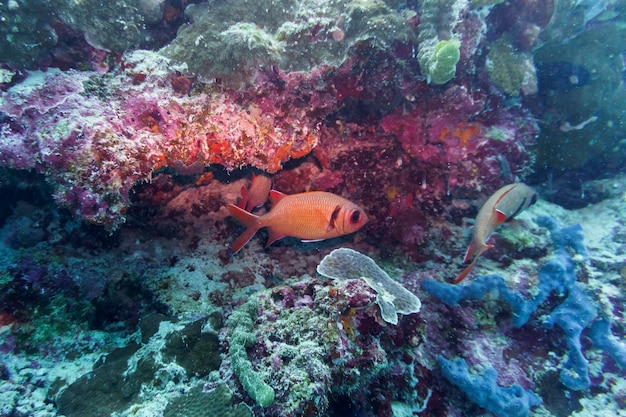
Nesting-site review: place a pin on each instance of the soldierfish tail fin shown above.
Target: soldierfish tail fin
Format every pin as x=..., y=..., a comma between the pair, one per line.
x=469, y=267
x=244, y=199
x=247, y=219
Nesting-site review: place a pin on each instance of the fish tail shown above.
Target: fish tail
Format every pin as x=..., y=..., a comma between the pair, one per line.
x=469, y=267
x=465, y=272
x=471, y=249
x=247, y=219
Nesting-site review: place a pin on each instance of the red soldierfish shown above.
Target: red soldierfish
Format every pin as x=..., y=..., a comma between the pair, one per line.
x=310, y=216
x=501, y=207
x=257, y=194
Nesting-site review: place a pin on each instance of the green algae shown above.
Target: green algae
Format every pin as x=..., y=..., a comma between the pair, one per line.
x=441, y=68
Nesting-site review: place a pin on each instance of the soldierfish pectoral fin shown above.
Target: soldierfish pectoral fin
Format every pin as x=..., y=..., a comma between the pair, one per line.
x=333, y=219
x=500, y=217
x=247, y=219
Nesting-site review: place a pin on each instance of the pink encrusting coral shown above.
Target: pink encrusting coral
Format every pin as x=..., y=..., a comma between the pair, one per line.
x=466, y=146
x=94, y=136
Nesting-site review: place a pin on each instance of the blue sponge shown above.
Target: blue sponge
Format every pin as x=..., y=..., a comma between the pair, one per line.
x=557, y=274
x=484, y=390
x=603, y=338
x=575, y=314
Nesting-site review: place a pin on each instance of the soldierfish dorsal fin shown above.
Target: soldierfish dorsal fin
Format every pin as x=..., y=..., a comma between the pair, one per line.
x=276, y=196
x=333, y=218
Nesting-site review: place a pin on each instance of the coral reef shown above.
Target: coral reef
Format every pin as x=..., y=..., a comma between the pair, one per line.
x=391, y=297
x=130, y=125
x=233, y=40
x=439, y=49
x=577, y=313
x=217, y=402
x=483, y=389
x=242, y=337
x=511, y=71
x=339, y=343
x=117, y=166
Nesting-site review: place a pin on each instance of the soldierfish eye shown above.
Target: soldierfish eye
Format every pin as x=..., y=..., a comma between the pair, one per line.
x=355, y=216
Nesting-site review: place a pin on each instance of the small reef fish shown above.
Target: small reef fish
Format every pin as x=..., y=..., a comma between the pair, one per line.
x=256, y=195
x=502, y=206
x=310, y=216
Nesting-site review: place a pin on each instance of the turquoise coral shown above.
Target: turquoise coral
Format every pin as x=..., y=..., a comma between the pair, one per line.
x=242, y=337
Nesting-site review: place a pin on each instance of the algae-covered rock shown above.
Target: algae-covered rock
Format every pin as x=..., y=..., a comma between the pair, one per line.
x=232, y=40
x=28, y=28
x=510, y=70
x=475, y=4
x=215, y=403
x=168, y=356
x=439, y=47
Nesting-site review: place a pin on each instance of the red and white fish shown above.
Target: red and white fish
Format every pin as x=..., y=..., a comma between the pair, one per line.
x=256, y=195
x=310, y=216
x=501, y=207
